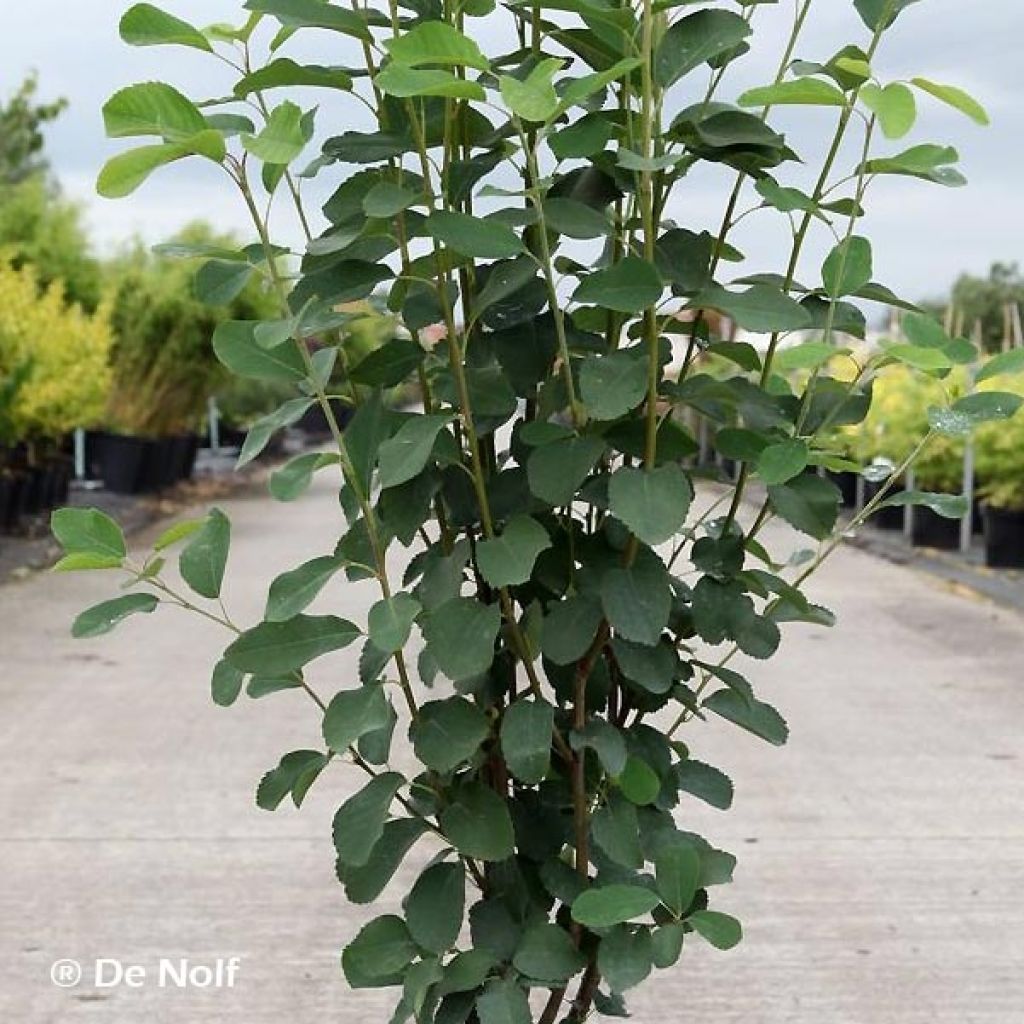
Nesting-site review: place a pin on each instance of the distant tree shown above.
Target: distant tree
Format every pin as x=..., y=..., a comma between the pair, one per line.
x=39, y=227
x=985, y=299
x=22, y=119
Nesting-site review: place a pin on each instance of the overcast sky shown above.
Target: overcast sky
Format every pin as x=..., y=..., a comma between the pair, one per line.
x=924, y=235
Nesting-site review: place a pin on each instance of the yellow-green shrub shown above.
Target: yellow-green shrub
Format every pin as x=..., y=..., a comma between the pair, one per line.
x=67, y=350
x=999, y=452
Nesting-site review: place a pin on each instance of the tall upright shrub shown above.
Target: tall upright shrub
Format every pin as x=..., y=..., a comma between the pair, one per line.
x=573, y=599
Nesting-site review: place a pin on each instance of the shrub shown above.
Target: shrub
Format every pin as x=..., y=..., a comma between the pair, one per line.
x=578, y=603
x=163, y=364
x=66, y=349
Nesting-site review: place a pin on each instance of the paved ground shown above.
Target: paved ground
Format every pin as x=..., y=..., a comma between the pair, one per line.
x=881, y=875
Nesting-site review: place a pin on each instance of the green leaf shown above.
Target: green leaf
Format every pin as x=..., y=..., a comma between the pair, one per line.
x=1011, y=362
x=292, y=592
x=695, y=40
x=473, y=236
x=949, y=506
x=532, y=98
x=639, y=782
x=706, y=783
x=235, y=345
x=381, y=950
x=526, y=730
x=848, y=267
x=927, y=161
x=606, y=741
x=616, y=831
x=460, y=636
x=277, y=648
x=88, y=531
x=569, y=628
x=781, y=462
x=881, y=13
x=386, y=199
x=152, y=108
x=629, y=286
x=448, y=732
x=988, y=406
x=762, y=308
x=365, y=884
x=605, y=906
x=555, y=471
x=798, y=92
x=894, y=105
x=402, y=81
x=575, y=219
x=477, y=823
x=285, y=73
x=435, y=42
x=264, y=428
x=405, y=455
x=721, y=930
x=637, y=599
x=314, y=14
x=226, y=684
x=612, y=385
x=956, y=98
x=919, y=357
x=102, y=618
x=359, y=822
x=435, y=907
x=218, y=282
x=283, y=137
x=124, y=173
x=85, y=561
x=293, y=479
x=808, y=503
x=677, y=870
x=353, y=714
x=294, y=774
x=390, y=622
x=625, y=957
x=205, y=557
x=547, y=952
x=575, y=91
x=652, y=503
x=756, y=717
x=146, y=25
x=503, y=1002
x=388, y=365
x=508, y=559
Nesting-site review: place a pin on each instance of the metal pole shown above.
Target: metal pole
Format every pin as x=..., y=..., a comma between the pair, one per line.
x=908, y=510
x=80, y=467
x=214, y=416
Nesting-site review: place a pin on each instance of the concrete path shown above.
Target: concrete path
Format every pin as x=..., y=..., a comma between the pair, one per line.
x=881, y=874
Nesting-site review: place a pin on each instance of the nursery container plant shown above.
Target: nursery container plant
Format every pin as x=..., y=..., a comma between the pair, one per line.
x=577, y=606
x=999, y=457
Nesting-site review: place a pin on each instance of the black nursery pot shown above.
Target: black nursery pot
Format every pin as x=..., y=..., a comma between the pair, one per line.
x=122, y=462
x=934, y=531
x=846, y=482
x=889, y=518
x=8, y=502
x=159, y=464
x=1004, y=537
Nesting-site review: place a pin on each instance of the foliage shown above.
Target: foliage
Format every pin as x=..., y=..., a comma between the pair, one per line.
x=39, y=228
x=898, y=419
x=61, y=351
x=573, y=593
x=985, y=299
x=22, y=119
x=163, y=364
x=999, y=456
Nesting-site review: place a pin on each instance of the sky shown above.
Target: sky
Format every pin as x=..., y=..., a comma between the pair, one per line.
x=924, y=235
